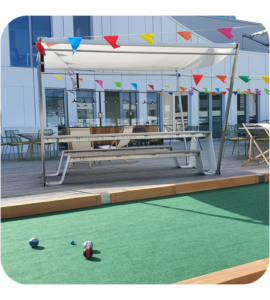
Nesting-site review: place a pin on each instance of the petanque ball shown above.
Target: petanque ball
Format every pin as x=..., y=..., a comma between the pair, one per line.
x=33, y=242
x=88, y=244
x=72, y=242
x=88, y=252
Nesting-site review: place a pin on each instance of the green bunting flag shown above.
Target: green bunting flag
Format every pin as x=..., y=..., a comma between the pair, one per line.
x=245, y=78
x=118, y=84
x=267, y=92
x=263, y=27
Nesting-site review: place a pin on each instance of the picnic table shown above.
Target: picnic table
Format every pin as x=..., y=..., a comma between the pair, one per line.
x=193, y=135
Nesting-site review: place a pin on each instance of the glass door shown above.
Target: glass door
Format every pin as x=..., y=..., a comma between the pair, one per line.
x=241, y=109
x=253, y=108
x=167, y=113
x=178, y=121
x=217, y=116
x=55, y=108
x=204, y=112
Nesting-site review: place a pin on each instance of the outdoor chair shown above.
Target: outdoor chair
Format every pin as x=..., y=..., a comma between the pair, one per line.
x=78, y=146
x=261, y=137
x=38, y=142
x=4, y=145
x=232, y=135
x=15, y=142
x=121, y=143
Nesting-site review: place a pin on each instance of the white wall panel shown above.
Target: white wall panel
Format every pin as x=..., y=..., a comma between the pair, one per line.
x=149, y=24
x=97, y=27
x=29, y=107
x=5, y=56
x=106, y=25
x=255, y=63
x=157, y=28
x=136, y=27
x=168, y=28
x=119, y=26
x=68, y=26
x=15, y=76
x=57, y=26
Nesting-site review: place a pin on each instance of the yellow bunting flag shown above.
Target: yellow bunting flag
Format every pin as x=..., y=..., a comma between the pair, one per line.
x=58, y=76
x=148, y=37
x=168, y=85
x=239, y=92
x=266, y=79
x=245, y=92
x=181, y=93
x=160, y=93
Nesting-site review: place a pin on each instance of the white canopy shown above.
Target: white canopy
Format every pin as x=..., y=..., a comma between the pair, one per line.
x=99, y=55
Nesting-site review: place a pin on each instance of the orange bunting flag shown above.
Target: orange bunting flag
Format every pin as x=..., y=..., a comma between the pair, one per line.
x=250, y=91
x=151, y=86
x=197, y=78
x=81, y=79
x=213, y=93
x=112, y=39
x=222, y=78
x=182, y=88
x=185, y=34
x=224, y=93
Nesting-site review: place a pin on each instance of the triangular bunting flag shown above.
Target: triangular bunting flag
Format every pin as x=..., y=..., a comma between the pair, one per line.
x=195, y=89
x=222, y=78
x=148, y=37
x=226, y=32
x=181, y=93
x=100, y=82
x=213, y=93
x=197, y=78
x=185, y=34
x=227, y=89
x=151, y=86
x=118, y=84
x=258, y=92
x=217, y=90
x=206, y=89
x=57, y=76
x=250, y=91
x=245, y=92
x=239, y=92
x=224, y=93
x=170, y=93
x=50, y=44
x=267, y=91
x=81, y=79
x=266, y=79
x=168, y=85
x=160, y=93
x=201, y=93
x=235, y=92
x=182, y=88
x=112, y=39
x=245, y=78
x=190, y=93
x=75, y=43
x=40, y=48
x=134, y=85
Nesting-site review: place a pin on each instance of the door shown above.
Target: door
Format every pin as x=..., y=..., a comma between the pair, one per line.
x=217, y=115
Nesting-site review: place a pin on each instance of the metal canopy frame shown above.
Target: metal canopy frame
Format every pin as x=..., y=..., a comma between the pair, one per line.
x=40, y=69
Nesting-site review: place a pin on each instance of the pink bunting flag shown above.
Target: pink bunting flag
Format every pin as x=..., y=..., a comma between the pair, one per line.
x=226, y=32
x=100, y=82
x=195, y=89
x=112, y=39
x=151, y=86
x=227, y=89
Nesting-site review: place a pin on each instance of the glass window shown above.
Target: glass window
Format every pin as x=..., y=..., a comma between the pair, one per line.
x=112, y=106
x=19, y=42
x=81, y=26
x=55, y=111
x=152, y=109
x=41, y=26
x=203, y=112
x=241, y=109
x=85, y=109
x=178, y=122
x=167, y=113
x=129, y=108
x=253, y=108
x=216, y=115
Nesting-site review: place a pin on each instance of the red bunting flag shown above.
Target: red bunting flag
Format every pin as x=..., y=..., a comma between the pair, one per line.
x=197, y=78
x=228, y=89
x=151, y=86
x=112, y=39
x=100, y=82
x=185, y=34
x=182, y=88
x=213, y=93
x=224, y=93
x=40, y=48
x=250, y=91
x=222, y=78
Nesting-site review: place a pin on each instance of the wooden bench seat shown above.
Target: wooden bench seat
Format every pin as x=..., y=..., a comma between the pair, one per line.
x=128, y=153
x=243, y=275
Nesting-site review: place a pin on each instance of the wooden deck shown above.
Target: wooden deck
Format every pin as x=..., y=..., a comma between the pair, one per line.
x=21, y=180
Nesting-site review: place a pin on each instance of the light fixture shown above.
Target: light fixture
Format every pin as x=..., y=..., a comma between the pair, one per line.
x=49, y=106
x=136, y=102
x=84, y=103
x=106, y=101
x=58, y=107
x=94, y=102
x=74, y=101
x=144, y=102
x=124, y=100
x=115, y=101
x=152, y=102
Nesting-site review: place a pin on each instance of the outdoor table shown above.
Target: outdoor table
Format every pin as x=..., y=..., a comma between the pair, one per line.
x=250, y=128
x=194, y=135
x=33, y=147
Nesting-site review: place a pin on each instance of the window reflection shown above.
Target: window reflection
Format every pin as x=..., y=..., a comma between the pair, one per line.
x=55, y=113
x=85, y=108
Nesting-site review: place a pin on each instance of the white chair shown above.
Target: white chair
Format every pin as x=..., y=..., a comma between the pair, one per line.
x=80, y=145
x=122, y=143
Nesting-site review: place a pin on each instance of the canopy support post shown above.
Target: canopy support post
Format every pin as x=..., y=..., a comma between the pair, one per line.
x=181, y=110
x=40, y=67
x=227, y=109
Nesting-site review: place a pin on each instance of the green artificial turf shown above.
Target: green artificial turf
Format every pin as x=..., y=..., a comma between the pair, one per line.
x=162, y=240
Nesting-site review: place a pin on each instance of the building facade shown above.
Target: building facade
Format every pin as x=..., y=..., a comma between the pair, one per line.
x=114, y=104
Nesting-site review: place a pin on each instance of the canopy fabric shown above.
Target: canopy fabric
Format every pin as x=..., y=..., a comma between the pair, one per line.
x=99, y=55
